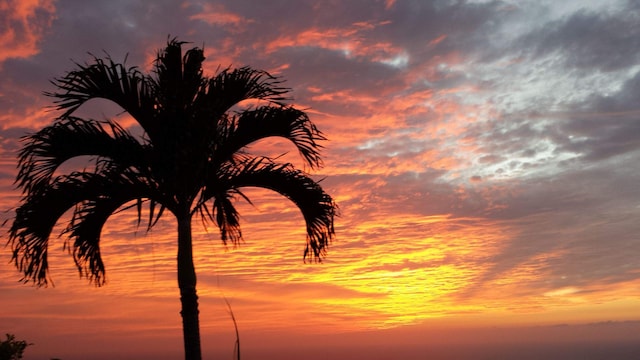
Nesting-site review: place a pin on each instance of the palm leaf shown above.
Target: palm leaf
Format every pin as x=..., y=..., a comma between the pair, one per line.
x=41, y=208
x=35, y=219
x=227, y=219
x=44, y=151
x=127, y=87
x=86, y=226
x=231, y=86
x=266, y=121
x=179, y=78
x=316, y=206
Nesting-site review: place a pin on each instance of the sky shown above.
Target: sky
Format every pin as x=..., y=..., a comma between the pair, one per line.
x=485, y=157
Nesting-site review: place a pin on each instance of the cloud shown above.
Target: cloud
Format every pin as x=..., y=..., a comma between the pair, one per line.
x=26, y=22
x=216, y=14
x=589, y=40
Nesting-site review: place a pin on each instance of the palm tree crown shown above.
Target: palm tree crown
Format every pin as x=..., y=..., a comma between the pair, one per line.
x=192, y=159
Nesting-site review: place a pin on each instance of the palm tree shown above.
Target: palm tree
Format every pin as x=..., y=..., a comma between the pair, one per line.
x=192, y=159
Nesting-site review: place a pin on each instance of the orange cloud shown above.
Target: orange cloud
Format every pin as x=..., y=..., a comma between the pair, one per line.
x=217, y=14
x=349, y=40
x=437, y=40
x=388, y=4
x=27, y=22
x=35, y=117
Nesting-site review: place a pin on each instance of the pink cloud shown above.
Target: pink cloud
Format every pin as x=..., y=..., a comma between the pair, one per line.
x=388, y=4
x=35, y=116
x=217, y=14
x=437, y=40
x=352, y=41
x=28, y=20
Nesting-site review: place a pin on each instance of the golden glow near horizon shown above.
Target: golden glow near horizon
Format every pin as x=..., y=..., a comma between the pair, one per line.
x=370, y=281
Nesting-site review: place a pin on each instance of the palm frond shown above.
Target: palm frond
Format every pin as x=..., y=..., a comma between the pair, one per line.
x=105, y=79
x=35, y=218
x=231, y=86
x=43, y=152
x=86, y=226
x=179, y=77
x=316, y=206
x=266, y=121
x=227, y=219
x=41, y=208
x=192, y=61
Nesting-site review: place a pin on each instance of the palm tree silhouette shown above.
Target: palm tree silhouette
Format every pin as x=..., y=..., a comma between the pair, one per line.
x=191, y=160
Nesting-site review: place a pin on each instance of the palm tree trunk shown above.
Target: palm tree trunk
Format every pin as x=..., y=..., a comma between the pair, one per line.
x=187, y=284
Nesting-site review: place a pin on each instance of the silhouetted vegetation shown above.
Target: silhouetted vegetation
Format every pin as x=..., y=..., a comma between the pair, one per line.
x=191, y=160
x=12, y=349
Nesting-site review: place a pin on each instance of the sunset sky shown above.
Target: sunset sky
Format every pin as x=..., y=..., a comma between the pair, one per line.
x=485, y=157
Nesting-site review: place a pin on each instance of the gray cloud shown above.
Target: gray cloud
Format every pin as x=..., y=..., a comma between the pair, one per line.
x=589, y=41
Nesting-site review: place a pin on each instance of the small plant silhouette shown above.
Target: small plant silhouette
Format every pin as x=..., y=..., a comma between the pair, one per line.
x=12, y=349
